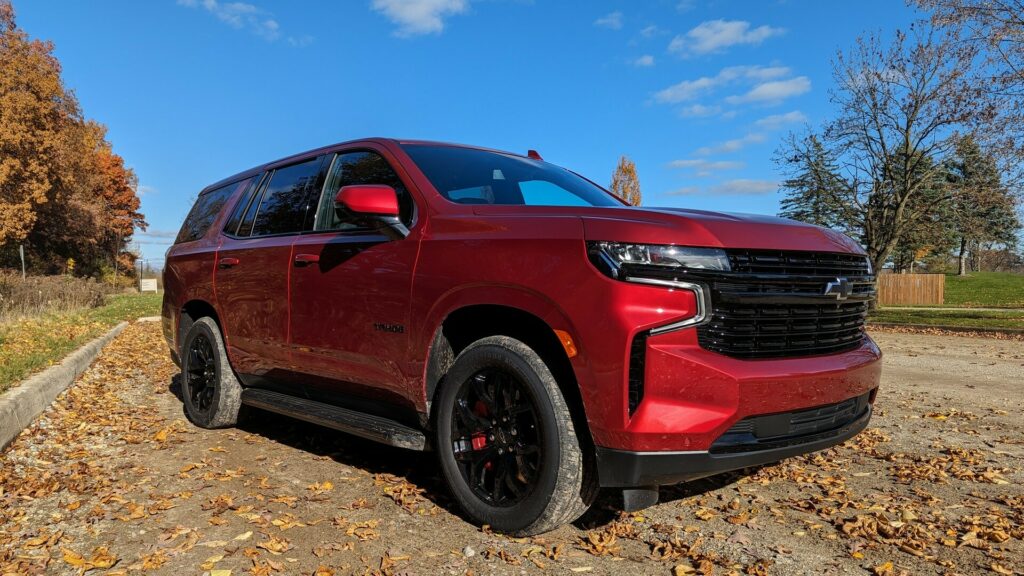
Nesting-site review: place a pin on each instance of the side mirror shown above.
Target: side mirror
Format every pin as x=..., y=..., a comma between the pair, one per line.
x=374, y=204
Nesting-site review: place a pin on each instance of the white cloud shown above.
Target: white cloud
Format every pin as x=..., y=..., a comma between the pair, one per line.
x=240, y=15
x=300, y=41
x=143, y=189
x=704, y=165
x=700, y=111
x=684, y=191
x=773, y=92
x=717, y=35
x=745, y=187
x=690, y=89
x=776, y=121
x=612, y=20
x=416, y=17
x=651, y=31
x=157, y=233
x=729, y=146
x=645, y=61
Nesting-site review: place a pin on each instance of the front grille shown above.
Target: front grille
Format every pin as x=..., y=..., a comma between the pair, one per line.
x=780, y=330
x=773, y=304
x=789, y=428
x=797, y=263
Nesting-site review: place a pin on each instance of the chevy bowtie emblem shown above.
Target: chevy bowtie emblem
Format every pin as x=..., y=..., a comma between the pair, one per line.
x=841, y=288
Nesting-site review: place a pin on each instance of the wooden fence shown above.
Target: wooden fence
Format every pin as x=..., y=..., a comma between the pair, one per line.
x=911, y=289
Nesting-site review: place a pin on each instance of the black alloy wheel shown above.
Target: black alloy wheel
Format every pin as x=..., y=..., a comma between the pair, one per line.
x=201, y=383
x=496, y=438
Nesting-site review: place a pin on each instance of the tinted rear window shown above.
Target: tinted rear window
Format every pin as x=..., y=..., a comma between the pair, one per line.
x=204, y=212
x=472, y=176
x=283, y=207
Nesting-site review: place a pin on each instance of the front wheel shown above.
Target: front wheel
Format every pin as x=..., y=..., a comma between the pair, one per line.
x=506, y=441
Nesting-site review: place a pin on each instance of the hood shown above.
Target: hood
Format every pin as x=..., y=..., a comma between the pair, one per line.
x=711, y=229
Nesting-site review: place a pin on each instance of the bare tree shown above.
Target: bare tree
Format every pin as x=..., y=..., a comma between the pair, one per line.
x=900, y=105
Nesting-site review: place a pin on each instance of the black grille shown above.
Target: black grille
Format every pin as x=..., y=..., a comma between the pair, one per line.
x=773, y=304
x=778, y=330
x=779, y=430
x=797, y=263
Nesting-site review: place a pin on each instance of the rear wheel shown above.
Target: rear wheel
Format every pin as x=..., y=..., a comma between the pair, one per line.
x=506, y=440
x=211, y=392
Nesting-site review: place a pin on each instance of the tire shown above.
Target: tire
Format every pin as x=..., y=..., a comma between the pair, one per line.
x=474, y=444
x=209, y=388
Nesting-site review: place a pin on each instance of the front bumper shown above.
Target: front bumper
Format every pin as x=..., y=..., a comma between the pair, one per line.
x=626, y=469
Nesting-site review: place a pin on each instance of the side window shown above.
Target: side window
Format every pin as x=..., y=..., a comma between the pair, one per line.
x=204, y=212
x=244, y=200
x=474, y=195
x=282, y=208
x=362, y=167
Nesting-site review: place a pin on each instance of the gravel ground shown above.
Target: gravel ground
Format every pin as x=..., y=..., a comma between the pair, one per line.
x=113, y=479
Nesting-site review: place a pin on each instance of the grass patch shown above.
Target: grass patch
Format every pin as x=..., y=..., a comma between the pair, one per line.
x=31, y=344
x=1005, y=319
x=985, y=290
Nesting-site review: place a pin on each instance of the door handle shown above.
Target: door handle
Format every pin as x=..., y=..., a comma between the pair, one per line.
x=306, y=259
x=227, y=262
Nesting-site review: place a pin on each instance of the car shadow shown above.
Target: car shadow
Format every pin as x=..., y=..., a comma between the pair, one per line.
x=421, y=468
x=608, y=506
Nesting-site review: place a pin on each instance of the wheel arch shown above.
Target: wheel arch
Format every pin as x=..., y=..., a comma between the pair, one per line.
x=470, y=322
x=191, y=311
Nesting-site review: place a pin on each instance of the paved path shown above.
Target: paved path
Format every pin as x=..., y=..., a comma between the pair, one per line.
x=114, y=480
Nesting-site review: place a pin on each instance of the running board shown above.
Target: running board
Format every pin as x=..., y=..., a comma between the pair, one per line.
x=352, y=422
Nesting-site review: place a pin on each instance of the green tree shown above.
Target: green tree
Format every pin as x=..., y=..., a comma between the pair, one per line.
x=625, y=182
x=813, y=190
x=984, y=210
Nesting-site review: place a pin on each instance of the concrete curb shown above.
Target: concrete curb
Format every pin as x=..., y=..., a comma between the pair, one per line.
x=20, y=405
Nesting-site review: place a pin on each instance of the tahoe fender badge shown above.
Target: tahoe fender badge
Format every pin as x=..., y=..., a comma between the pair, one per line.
x=387, y=327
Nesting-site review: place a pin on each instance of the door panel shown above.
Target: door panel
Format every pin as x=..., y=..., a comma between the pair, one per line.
x=251, y=277
x=349, y=313
x=350, y=294
x=252, y=296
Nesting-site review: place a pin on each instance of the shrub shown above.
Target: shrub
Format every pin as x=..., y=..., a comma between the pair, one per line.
x=41, y=294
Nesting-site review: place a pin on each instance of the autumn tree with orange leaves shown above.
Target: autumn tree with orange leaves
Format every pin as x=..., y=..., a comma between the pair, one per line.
x=64, y=193
x=625, y=182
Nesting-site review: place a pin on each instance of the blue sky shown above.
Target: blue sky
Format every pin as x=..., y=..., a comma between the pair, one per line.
x=699, y=94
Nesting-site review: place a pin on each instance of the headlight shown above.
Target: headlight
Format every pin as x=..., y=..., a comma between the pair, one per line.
x=614, y=257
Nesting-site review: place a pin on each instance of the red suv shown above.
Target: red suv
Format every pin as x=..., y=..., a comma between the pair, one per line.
x=541, y=336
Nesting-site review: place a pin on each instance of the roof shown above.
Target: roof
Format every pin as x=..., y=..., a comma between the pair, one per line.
x=322, y=149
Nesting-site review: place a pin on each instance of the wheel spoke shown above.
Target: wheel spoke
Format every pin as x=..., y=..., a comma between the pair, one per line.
x=499, y=471
x=513, y=485
x=469, y=418
x=493, y=409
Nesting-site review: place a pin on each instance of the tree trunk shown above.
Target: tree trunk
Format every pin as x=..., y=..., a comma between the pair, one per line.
x=962, y=268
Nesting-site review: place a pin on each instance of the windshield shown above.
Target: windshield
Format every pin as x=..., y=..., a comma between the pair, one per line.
x=472, y=176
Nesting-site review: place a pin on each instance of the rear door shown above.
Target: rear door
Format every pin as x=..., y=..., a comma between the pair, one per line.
x=253, y=265
x=350, y=292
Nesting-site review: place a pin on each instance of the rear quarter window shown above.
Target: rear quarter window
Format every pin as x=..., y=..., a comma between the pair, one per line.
x=204, y=212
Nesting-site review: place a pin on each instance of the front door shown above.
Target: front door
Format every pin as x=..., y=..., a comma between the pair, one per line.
x=253, y=264
x=350, y=292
